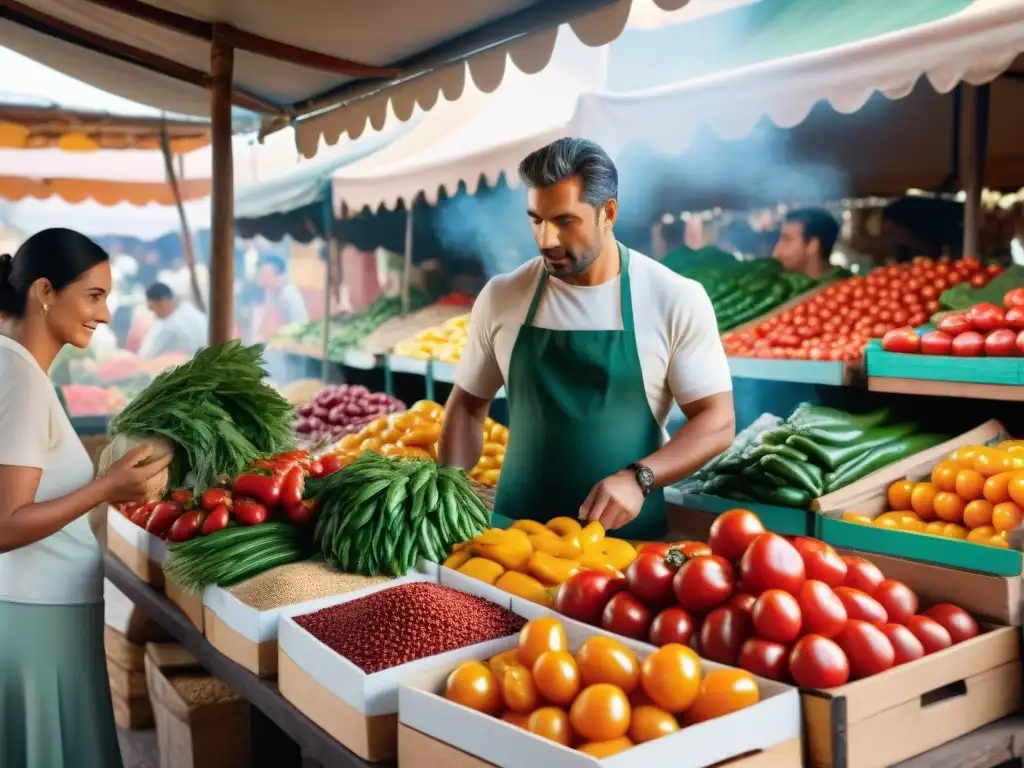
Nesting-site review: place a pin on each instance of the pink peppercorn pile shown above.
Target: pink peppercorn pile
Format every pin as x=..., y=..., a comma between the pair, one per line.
x=412, y=621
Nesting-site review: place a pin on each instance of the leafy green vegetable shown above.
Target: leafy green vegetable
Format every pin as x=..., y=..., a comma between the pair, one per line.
x=217, y=411
x=963, y=296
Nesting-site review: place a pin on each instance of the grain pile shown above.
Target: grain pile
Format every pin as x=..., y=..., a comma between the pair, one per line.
x=199, y=690
x=299, y=583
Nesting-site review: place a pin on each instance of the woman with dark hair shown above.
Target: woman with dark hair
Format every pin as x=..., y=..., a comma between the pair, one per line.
x=55, y=709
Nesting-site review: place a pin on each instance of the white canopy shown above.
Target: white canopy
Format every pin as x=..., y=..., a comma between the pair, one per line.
x=146, y=223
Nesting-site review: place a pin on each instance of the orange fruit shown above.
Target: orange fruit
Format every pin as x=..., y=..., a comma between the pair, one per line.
x=671, y=677
x=473, y=685
x=948, y=506
x=944, y=474
x=722, y=692
x=606, y=660
x=608, y=748
x=969, y=484
x=551, y=723
x=921, y=499
x=538, y=636
x=502, y=662
x=997, y=487
x=1015, y=488
x=557, y=677
x=649, y=723
x=600, y=713
x=519, y=690
x=978, y=513
x=899, y=494
x=516, y=719
x=981, y=535
x=1006, y=516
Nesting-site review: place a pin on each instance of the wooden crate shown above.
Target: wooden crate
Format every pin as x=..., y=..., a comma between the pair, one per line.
x=126, y=671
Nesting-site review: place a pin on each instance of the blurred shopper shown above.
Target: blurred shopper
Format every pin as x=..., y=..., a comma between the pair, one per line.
x=180, y=327
x=806, y=242
x=283, y=303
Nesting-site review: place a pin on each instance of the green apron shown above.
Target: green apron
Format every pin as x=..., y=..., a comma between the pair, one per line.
x=578, y=412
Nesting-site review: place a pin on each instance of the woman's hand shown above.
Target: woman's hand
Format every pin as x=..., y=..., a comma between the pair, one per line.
x=129, y=479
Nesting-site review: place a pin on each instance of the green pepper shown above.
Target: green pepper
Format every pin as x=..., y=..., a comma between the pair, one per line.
x=777, y=436
x=766, y=449
x=821, y=417
x=880, y=457
x=844, y=436
x=832, y=456
x=758, y=475
x=803, y=475
x=783, y=497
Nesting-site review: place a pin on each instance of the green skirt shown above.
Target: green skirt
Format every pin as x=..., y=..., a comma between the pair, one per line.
x=55, y=709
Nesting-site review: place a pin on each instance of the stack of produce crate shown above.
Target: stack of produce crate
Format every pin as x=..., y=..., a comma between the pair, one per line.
x=127, y=672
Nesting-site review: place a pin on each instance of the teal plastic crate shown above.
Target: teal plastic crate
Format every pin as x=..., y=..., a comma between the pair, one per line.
x=965, y=370
x=784, y=520
x=836, y=374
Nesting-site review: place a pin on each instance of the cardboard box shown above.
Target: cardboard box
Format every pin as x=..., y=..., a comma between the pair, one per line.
x=143, y=553
x=417, y=750
x=357, y=709
x=868, y=496
x=189, y=604
x=422, y=707
x=244, y=634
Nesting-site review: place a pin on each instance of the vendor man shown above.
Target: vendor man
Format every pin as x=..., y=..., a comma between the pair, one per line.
x=180, y=327
x=593, y=343
x=806, y=241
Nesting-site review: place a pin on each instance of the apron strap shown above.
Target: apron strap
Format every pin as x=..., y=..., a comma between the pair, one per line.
x=625, y=295
x=536, y=296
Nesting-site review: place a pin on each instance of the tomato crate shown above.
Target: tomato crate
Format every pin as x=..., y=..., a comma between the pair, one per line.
x=965, y=370
x=784, y=520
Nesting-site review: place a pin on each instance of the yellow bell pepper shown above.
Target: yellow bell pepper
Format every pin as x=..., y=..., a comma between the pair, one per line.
x=457, y=559
x=512, y=549
x=529, y=526
x=482, y=569
x=526, y=587
x=564, y=526
x=591, y=534
x=552, y=570
x=549, y=543
x=616, y=552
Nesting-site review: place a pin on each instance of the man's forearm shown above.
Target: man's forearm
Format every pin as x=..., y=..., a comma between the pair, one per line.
x=462, y=439
x=705, y=435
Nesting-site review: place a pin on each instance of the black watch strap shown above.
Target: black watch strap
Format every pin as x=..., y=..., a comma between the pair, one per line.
x=644, y=477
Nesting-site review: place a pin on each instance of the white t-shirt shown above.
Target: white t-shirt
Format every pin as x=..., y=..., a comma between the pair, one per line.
x=681, y=354
x=64, y=568
x=185, y=331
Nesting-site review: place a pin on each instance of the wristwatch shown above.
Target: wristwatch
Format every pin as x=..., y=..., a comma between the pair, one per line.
x=644, y=477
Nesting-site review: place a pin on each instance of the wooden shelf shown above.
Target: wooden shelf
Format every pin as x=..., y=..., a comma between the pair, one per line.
x=1006, y=392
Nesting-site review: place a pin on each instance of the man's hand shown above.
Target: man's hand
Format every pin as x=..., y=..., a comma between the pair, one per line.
x=614, y=501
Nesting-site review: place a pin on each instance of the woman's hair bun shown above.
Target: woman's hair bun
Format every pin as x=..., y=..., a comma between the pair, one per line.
x=6, y=265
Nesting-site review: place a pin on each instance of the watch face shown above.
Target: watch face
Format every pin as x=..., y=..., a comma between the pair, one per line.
x=645, y=476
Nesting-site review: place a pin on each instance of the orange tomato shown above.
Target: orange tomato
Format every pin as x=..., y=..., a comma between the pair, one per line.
x=948, y=506
x=992, y=461
x=997, y=487
x=605, y=660
x=981, y=535
x=519, y=690
x=551, y=723
x=649, y=723
x=473, y=685
x=944, y=474
x=538, y=636
x=978, y=513
x=1015, y=488
x=722, y=692
x=671, y=677
x=1006, y=516
x=608, y=748
x=502, y=662
x=639, y=698
x=899, y=494
x=999, y=541
x=965, y=453
x=557, y=677
x=969, y=484
x=600, y=713
x=516, y=719
x=954, y=531
x=921, y=500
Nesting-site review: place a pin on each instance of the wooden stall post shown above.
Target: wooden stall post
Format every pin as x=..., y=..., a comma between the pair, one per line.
x=222, y=224
x=186, y=233
x=407, y=264
x=977, y=103
x=327, y=233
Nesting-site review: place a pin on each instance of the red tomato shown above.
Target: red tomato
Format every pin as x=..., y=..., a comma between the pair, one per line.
x=867, y=648
x=771, y=562
x=1015, y=318
x=776, y=616
x=817, y=662
x=743, y=601
x=979, y=280
x=968, y=344
x=764, y=658
x=904, y=643
x=903, y=340
x=724, y=630
x=732, y=532
x=958, y=622
x=933, y=636
x=1001, y=343
x=822, y=611
x=898, y=600
x=862, y=606
x=704, y=582
x=625, y=615
x=862, y=574
x=653, y=548
x=584, y=596
x=649, y=578
x=1020, y=342
x=936, y=343
x=1014, y=298
x=821, y=561
x=986, y=317
x=672, y=625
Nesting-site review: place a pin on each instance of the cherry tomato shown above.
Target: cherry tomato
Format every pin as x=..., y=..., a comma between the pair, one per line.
x=1015, y=318
x=821, y=561
x=722, y=633
x=776, y=616
x=1002, y=342
x=538, y=636
x=933, y=636
x=584, y=596
x=692, y=548
x=905, y=644
x=601, y=712
x=555, y=676
x=986, y=317
x=606, y=660
x=660, y=548
x=902, y=340
x=862, y=574
x=650, y=579
x=898, y=600
x=771, y=562
x=743, y=601
x=519, y=690
x=732, y=532
x=979, y=280
x=722, y=692
x=968, y=344
x=551, y=723
x=957, y=622
x=473, y=685
x=764, y=658
x=817, y=662
x=704, y=582
x=671, y=677
x=627, y=616
x=1014, y=298
x=1020, y=342
x=936, y=343
x=649, y=723
x=861, y=606
x=867, y=647
x=672, y=625
x=822, y=611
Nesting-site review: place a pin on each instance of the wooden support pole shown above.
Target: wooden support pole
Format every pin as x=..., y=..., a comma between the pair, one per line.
x=186, y=232
x=407, y=262
x=222, y=226
x=977, y=104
